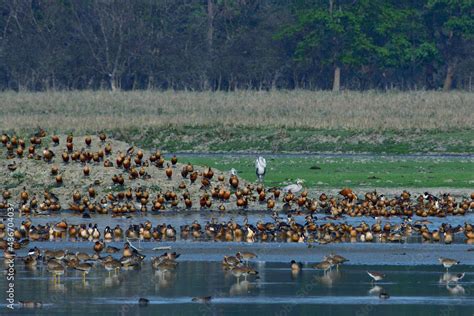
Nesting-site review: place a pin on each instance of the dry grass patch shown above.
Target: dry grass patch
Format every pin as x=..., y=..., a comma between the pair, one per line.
x=98, y=110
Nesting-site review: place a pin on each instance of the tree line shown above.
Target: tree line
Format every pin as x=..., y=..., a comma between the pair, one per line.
x=236, y=44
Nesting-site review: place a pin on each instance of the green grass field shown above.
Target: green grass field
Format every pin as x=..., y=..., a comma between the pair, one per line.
x=368, y=173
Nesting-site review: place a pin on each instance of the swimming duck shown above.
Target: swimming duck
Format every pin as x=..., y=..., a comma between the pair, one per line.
x=30, y=304
x=295, y=266
x=99, y=246
x=143, y=302
x=30, y=261
x=202, y=299
x=127, y=251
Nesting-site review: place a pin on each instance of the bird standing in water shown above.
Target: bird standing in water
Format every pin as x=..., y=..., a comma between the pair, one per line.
x=260, y=168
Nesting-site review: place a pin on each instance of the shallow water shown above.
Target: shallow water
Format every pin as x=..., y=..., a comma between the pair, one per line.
x=412, y=290
x=413, y=251
x=412, y=270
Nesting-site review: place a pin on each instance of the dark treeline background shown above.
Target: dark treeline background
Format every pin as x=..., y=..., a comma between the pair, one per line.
x=236, y=44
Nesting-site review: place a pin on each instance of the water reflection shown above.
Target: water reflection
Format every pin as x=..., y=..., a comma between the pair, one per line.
x=56, y=287
x=451, y=277
x=335, y=292
x=239, y=288
x=456, y=289
x=376, y=290
x=295, y=274
x=112, y=281
x=165, y=278
x=328, y=278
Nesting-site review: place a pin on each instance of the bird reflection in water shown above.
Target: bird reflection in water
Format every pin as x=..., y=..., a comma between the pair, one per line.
x=165, y=278
x=112, y=281
x=449, y=277
x=242, y=287
x=376, y=290
x=456, y=289
x=328, y=278
x=57, y=287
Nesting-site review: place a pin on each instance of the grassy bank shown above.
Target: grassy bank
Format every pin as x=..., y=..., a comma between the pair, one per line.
x=277, y=121
x=366, y=173
x=222, y=139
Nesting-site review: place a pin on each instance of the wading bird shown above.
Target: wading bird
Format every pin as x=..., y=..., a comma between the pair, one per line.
x=260, y=168
x=376, y=276
x=448, y=263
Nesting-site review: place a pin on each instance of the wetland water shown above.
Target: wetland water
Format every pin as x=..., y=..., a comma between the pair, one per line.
x=413, y=290
x=412, y=280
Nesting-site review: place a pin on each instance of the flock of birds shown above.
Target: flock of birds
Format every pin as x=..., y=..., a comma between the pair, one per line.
x=130, y=201
x=324, y=215
x=113, y=260
x=192, y=188
x=277, y=230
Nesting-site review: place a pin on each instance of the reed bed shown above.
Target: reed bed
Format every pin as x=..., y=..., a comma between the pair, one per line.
x=82, y=111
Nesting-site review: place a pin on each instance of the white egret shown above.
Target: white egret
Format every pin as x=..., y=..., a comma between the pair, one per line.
x=233, y=172
x=294, y=188
x=260, y=168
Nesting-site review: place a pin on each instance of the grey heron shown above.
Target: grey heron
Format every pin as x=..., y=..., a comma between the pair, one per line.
x=260, y=168
x=294, y=188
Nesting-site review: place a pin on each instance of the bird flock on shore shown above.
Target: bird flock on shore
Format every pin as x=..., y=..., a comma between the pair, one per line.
x=206, y=190
x=133, y=173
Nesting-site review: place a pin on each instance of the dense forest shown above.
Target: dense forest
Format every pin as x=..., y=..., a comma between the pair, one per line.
x=236, y=44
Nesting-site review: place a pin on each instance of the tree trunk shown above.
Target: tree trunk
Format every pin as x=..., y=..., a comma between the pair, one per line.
x=337, y=79
x=210, y=23
x=113, y=82
x=136, y=82
x=210, y=40
x=448, y=80
x=151, y=82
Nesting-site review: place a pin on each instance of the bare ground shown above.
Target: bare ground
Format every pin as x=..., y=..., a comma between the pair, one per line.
x=36, y=177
